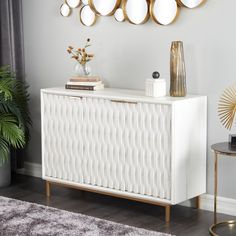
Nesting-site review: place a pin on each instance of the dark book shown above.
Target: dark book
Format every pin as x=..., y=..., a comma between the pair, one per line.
x=84, y=87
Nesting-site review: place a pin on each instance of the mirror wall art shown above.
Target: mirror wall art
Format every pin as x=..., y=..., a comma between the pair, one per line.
x=119, y=15
x=162, y=12
x=190, y=3
x=65, y=10
x=87, y=16
x=104, y=8
x=73, y=3
x=136, y=11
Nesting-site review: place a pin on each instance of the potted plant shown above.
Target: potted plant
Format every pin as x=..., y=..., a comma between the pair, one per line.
x=14, y=120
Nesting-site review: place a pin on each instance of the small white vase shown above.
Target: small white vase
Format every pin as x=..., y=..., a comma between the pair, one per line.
x=82, y=70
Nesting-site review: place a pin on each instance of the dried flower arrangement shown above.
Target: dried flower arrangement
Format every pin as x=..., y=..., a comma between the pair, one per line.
x=80, y=54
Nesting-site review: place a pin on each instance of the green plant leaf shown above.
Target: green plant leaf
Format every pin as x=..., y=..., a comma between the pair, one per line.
x=14, y=113
x=5, y=72
x=14, y=99
x=6, y=88
x=10, y=131
x=4, y=151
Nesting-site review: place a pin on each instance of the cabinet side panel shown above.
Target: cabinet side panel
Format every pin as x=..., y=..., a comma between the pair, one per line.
x=189, y=149
x=42, y=132
x=196, y=164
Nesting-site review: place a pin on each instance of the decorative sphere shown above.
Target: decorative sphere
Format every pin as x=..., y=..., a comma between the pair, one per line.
x=155, y=75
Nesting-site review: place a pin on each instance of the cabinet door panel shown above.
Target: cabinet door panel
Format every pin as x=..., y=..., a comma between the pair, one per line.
x=123, y=146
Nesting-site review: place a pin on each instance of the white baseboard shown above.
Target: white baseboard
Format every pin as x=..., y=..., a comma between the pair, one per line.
x=225, y=205
x=32, y=169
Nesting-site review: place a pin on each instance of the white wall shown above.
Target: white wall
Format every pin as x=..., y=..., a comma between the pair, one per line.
x=127, y=54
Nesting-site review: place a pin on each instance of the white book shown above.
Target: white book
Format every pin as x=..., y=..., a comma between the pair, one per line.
x=85, y=78
x=84, y=83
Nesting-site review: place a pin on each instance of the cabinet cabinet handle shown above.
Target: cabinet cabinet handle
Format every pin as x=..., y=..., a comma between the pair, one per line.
x=120, y=101
x=77, y=97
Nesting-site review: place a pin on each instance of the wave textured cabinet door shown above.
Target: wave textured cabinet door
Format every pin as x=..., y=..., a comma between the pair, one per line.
x=121, y=143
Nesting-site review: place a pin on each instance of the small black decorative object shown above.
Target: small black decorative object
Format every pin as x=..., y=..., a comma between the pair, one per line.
x=232, y=140
x=155, y=75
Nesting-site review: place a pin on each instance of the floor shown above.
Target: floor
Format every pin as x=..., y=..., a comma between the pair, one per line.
x=185, y=221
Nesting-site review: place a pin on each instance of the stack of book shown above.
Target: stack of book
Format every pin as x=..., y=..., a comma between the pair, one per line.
x=85, y=83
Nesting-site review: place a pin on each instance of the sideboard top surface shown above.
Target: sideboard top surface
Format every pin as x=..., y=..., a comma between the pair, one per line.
x=120, y=94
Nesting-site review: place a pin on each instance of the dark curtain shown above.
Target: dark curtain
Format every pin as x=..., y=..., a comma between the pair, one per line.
x=11, y=47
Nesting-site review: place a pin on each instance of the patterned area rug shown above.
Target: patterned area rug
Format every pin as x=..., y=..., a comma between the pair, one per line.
x=23, y=218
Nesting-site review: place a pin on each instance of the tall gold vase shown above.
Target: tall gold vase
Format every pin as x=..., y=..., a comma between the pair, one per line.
x=177, y=70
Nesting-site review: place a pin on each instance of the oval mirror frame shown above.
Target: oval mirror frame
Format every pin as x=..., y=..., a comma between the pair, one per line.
x=145, y=19
x=65, y=7
x=119, y=15
x=89, y=10
x=110, y=13
x=160, y=21
x=73, y=3
x=190, y=3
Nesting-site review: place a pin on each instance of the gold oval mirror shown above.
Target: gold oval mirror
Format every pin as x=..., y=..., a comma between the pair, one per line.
x=104, y=7
x=119, y=15
x=136, y=11
x=85, y=2
x=87, y=16
x=65, y=10
x=73, y=3
x=190, y=3
x=163, y=12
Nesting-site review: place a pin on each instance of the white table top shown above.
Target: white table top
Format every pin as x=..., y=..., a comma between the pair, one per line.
x=120, y=94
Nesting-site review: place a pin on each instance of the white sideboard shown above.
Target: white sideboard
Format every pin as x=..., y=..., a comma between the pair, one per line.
x=122, y=143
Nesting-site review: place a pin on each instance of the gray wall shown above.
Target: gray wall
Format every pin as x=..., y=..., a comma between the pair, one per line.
x=127, y=54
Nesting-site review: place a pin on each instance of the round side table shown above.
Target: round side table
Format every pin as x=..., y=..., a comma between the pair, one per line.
x=227, y=227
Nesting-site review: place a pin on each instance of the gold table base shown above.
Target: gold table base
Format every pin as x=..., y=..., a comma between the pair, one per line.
x=226, y=150
x=229, y=223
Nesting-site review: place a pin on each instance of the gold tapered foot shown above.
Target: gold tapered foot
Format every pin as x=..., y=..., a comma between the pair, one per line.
x=167, y=212
x=48, y=189
x=198, y=202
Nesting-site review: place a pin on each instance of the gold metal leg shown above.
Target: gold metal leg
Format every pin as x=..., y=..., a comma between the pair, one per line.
x=48, y=189
x=215, y=188
x=226, y=224
x=198, y=202
x=167, y=212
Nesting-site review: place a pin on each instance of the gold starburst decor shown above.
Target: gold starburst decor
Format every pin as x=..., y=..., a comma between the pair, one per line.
x=227, y=107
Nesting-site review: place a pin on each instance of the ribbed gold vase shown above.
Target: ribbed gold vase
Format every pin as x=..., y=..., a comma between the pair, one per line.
x=177, y=70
